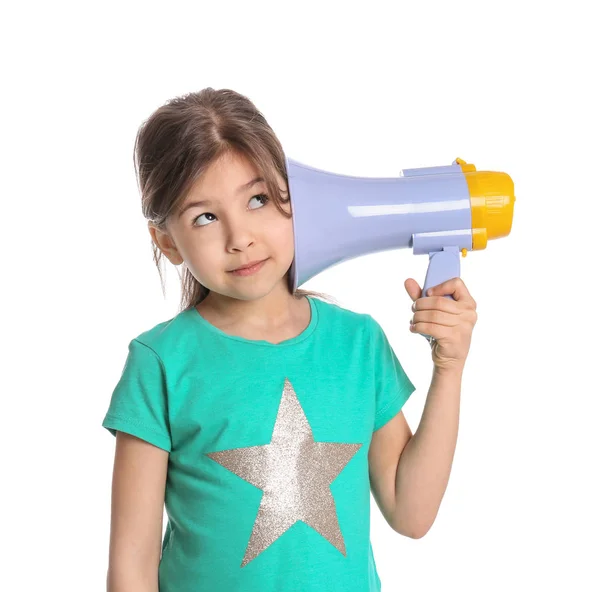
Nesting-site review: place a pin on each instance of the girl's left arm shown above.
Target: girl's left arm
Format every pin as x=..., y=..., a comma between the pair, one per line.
x=409, y=473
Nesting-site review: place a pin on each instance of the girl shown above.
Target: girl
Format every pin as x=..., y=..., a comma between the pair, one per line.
x=260, y=418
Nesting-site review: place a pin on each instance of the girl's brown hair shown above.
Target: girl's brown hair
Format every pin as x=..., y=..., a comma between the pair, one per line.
x=181, y=139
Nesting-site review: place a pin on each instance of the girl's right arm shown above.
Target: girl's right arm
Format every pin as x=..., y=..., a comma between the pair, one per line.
x=138, y=494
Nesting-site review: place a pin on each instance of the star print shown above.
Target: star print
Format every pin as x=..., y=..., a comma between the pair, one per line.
x=295, y=474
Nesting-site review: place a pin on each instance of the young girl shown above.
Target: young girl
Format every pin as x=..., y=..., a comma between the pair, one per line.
x=262, y=419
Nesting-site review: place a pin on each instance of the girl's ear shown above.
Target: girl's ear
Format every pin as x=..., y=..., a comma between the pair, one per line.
x=165, y=243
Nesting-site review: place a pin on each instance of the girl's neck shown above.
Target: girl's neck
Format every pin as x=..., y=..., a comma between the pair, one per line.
x=275, y=317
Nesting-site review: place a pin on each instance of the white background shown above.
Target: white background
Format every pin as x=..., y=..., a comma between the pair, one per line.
x=364, y=89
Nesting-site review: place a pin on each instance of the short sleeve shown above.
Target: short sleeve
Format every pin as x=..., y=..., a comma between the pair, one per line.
x=392, y=385
x=138, y=404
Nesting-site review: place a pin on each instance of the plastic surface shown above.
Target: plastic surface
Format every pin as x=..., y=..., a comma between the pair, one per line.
x=442, y=212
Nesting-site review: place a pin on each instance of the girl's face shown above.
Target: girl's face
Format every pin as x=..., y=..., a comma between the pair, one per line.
x=236, y=224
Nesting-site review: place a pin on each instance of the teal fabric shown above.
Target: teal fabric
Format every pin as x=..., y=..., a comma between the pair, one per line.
x=191, y=389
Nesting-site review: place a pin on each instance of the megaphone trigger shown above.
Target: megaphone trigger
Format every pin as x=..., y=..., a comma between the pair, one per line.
x=444, y=265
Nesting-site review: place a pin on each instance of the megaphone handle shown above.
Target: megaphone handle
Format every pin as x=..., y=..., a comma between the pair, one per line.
x=443, y=266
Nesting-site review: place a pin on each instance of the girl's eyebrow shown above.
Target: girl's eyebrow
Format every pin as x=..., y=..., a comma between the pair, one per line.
x=206, y=202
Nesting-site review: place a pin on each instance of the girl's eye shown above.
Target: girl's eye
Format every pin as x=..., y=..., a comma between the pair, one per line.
x=264, y=198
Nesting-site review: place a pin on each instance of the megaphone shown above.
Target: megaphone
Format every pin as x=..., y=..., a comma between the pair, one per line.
x=441, y=211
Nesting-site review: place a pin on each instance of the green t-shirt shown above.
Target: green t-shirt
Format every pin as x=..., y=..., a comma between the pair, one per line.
x=268, y=483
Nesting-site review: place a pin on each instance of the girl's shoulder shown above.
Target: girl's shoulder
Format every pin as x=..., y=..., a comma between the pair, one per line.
x=164, y=336
x=335, y=316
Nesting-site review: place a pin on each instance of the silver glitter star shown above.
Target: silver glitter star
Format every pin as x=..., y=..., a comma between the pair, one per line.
x=295, y=473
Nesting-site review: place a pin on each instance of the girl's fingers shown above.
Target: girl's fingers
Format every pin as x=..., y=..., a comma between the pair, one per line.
x=433, y=329
x=456, y=288
x=441, y=303
x=437, y=317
